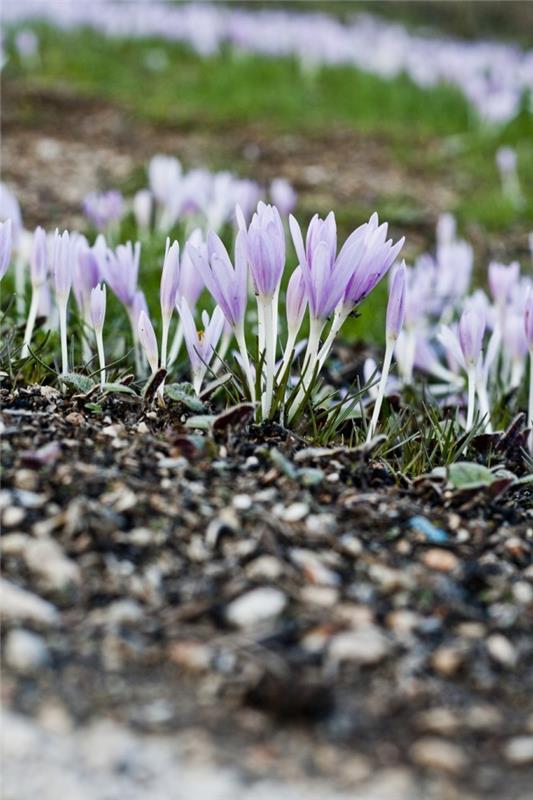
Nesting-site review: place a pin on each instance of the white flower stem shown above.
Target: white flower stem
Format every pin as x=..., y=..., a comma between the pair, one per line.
x=101, y=356
x=176, y=344
x=471, y=373
x=530, y=404
x=340, y=317
x=389, y=350
x=63, y=333
x=30, y=322
x=19, y=285
x=270, y=355
x=241, y=344
x=409, y=356
x=164, y=340
x=288, y=353
x=484, y=406
x=136, y=351
x=316, y=326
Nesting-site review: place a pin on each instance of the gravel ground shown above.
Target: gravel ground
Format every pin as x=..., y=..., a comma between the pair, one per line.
x=282, y=605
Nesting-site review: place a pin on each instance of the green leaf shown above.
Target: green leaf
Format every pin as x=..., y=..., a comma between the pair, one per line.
x=184, y=393
x=81, y=383
x=201, y=422
x=118, y=388
x=95, y=408
x=467, y=475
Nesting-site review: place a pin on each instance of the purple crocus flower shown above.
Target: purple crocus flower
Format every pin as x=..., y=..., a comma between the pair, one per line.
x=283, y=196
x=39, y=258
x=6, y=244
x=61, y=265
x=296, y=300
x=139, y=304
x=471, y=331
x=104, y=208
x=502, y=279
x=528, y=320
x=148, y=340
x=396, y=304
x=170, y=275
x=324, y=280
x=191, y=282
x=164, y=173
x=142, y=208
x=122, y=270
x=371, y=255
x=86, y=276
x=265, y=248
x=200, y=344
x=97, y=306
x=226, y=284
x=10, y=209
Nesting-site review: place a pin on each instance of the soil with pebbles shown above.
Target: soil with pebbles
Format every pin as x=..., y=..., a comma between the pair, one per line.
x=244, y=599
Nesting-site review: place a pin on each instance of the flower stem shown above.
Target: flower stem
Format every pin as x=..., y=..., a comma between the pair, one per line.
x=63, y=332
x=389, y=350
x=241, y=343
x=530, y=404
x=176, y=344
x=270, y=356
x=164, y=340
x=101, y=356
x=484, y=407
x=30, y=323
x=471, y=397
x=316, y=327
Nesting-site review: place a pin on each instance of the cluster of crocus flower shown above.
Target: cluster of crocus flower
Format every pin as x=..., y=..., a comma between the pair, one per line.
x=493, y=76
x=198, y=198
x=469, y=344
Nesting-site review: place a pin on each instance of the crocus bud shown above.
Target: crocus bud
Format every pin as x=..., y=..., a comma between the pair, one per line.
x=265, y=248
x=471, y=331
x=148, y=341
x=296, y=300
x=170, y=279
x=61, y=265
x=396, y=304
x=283, y=195
x=97, y=307
x=6, y=242
x=142, y=208
x=528, y=320
x=502, y=279
x=39, y=258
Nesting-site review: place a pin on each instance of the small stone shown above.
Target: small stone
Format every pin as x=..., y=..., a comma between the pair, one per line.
x=402, y=621
x=501, y=650
x=441, y=560
x=312, y=567
x=265, y=567
x=256, y=606
x=519, y=750
x=46, y=558
x=294, y=513
x=242, y=502
x=438, y=754
x=322, y=596
x=483, y=717
x=448, y=661
x=26, y=479
x=14, y=544
x=523, y=592
x=319, y=525
x=25, y=651
x=366, y=646
x=515, y=547
x=12, y=516
x=438, y=720
x=191, y=655
x=122, y=612
x=17, y=604
x=74, y=418
x=389, y=580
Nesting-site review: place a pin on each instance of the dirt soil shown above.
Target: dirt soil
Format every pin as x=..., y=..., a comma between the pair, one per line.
x=280, y=600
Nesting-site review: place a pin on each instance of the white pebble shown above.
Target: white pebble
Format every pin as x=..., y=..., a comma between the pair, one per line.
x=25, y=651
x=256, y=606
